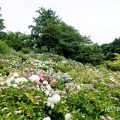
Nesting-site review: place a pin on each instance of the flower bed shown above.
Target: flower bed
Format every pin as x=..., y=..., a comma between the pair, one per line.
x=49, y=87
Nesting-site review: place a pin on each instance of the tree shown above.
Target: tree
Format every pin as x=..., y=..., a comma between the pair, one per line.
x=51, y=36
x=109, y=49
x=15, y=40
x=91, y=53
x=44, y=19
x=1, y=27
x=70, y=40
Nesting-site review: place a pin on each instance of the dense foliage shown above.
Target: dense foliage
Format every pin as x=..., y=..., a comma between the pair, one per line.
x=16, y=40
x=50, y=31
x=111, y=48
x=115, y=63
x=1, y=26
x=4, y=48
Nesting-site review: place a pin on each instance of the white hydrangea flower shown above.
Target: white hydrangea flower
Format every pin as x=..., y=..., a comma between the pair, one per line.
x=34, y=78
x=20, y=80
x=47, y=118
x=45, y=82
x=56, y=98
x=15, y=74
x=47, y=92
x=53, y=100
x=10, y=79
x=68, y=116
x=48, y=87
x=15, y=85
x=50, y=102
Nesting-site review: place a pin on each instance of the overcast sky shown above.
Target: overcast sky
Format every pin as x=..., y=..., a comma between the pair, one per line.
x=99, y=19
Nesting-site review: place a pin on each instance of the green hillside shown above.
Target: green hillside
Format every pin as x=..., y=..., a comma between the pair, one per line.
x=50, y=87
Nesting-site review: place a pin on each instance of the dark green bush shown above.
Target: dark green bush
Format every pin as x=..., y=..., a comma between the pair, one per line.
x=115, y=64
x=4, y=49
x=26, y=50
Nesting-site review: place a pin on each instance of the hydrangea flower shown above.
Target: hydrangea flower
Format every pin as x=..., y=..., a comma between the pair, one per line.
x=34, y=78
x=53, y=100
x=20, y=80
x=68, y=116
x=15, y=74
x=47, y=118
x=45, y=82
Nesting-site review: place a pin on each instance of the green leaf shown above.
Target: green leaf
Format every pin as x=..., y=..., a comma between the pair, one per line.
x=33, y=100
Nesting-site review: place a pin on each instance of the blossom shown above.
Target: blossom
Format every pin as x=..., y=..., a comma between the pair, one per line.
x=48, y=87
x=68, y=116
x=15, y=85
x=47, y=92
x=56, y=98
x=20, y=80
x=45, y=82
x=10, y=79
x=34, y=78
x=15, y=74
x=53, y=100
x=47, y=118
x=50, y=102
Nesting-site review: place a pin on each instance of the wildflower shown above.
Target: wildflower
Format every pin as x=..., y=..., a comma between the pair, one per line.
x=68, y=116
x=47, y=118
x=34, y=78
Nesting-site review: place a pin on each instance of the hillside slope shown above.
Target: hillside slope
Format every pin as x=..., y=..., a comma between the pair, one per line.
x=48, y=86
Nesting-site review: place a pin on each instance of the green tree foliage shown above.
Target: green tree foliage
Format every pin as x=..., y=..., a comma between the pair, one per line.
x=91, y=53
x=45, y=17
x=115, y=64
x=109, y=49
x=63, y=39
x=16, y=40
x=4, y=48
x=51, y=36
x=1, y=26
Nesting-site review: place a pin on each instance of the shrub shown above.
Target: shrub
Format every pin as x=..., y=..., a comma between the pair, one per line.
x=4, y=49
x=115, y=64
x=26, y=50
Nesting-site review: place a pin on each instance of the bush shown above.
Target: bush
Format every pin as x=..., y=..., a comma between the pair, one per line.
x=115, y=65
x=26, y=50
x=4, y=49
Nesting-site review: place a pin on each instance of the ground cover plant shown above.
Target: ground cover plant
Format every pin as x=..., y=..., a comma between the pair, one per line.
x=50, y=87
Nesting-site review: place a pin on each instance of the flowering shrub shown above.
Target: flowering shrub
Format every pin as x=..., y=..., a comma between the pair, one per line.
x=42, y=88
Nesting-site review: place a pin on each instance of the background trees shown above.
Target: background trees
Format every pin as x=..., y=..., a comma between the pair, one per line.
x=50, y=32
x=60, y=38
x=16, y=40
x=1, y=26
x=109, y=49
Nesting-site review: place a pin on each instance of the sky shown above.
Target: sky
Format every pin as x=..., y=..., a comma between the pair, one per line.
x=99, y=19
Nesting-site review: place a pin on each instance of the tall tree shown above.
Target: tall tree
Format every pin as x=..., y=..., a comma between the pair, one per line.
x=1, y=26
x=45, y=17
